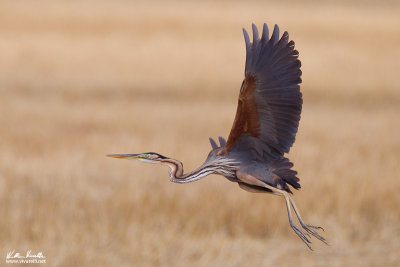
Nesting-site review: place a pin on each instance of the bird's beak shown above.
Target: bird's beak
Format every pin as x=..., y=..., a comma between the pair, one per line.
x=125, y=156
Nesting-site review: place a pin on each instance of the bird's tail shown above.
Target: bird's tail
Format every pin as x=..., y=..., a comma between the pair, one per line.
x=282, y=168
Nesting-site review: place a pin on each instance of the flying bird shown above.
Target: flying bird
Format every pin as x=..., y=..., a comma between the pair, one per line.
x=264, y=128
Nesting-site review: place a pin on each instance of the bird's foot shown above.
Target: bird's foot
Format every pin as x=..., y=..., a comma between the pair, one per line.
x=310, y=230
x=304, y=236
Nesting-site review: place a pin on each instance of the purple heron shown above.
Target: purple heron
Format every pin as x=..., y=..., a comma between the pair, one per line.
x=263, y=130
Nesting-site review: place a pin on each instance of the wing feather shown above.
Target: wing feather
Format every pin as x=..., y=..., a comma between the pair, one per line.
x=270, y=100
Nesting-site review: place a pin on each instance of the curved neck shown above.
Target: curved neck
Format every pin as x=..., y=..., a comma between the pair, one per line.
x=176, y=174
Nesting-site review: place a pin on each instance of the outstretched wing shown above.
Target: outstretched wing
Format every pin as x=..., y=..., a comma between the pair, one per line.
x=270, y=100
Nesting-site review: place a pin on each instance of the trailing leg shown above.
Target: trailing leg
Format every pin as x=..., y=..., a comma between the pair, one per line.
x=298, y=231
x=309, y=228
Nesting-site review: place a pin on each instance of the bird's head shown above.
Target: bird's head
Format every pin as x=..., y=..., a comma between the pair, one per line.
x=149, y=157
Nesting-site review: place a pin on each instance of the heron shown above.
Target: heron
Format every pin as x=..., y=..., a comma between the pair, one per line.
x=263, y=131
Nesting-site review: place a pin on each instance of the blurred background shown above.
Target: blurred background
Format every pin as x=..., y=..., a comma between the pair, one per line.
x=82, y=79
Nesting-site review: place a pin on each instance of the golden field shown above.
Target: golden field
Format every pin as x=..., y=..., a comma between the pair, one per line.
x=79, y=80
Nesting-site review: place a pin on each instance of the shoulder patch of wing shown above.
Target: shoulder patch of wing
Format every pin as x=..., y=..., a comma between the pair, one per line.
x=246, y=119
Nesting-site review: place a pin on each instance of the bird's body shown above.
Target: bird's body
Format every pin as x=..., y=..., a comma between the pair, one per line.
x=264, y=128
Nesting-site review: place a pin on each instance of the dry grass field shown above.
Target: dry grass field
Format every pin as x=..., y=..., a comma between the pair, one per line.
x=79, y=80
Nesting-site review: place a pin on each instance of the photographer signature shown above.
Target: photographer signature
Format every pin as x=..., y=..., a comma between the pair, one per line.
x=29, y=254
